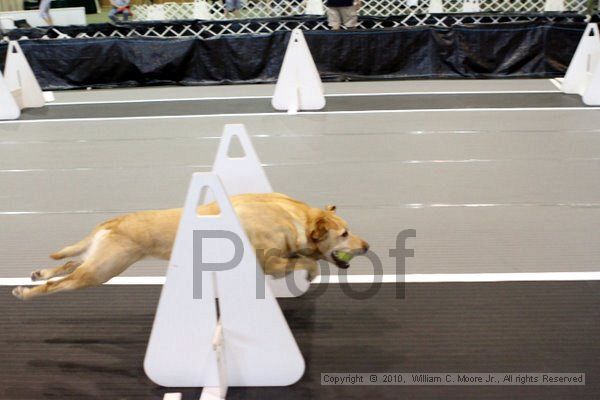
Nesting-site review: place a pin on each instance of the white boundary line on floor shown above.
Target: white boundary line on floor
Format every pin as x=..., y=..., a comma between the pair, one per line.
x=68, y=103
x=410, y=278
x=307, y=113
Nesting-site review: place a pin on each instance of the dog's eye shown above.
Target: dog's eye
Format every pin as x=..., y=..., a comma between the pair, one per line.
x=345, y=234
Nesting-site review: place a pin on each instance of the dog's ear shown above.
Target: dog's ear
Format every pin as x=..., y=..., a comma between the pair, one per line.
x=330, y=207
x=319, y=227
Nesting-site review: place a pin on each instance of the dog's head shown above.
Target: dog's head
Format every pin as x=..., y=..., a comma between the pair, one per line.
x=334, y=242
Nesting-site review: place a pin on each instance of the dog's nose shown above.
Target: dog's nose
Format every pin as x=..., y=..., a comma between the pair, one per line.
x=365, y=247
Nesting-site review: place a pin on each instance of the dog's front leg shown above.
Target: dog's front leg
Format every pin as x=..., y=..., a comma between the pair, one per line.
x=280, y=266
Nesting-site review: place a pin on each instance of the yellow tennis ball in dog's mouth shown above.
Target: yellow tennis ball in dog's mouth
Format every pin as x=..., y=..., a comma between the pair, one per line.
x=343, y=256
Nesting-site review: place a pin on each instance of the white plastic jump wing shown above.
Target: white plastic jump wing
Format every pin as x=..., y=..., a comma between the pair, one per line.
x=179, y=351
x=299, y=85
x=8, y=106
x=243, y=174
x=580, y=71
x=246, y=175
x=259, y=348
x=20, y=78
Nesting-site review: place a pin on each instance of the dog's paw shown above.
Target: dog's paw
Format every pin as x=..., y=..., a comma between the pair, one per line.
x=312, y=274
x=19, y=292
x=36, y=276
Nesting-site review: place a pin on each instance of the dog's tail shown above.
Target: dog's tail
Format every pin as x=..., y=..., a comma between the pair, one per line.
x=73, y=250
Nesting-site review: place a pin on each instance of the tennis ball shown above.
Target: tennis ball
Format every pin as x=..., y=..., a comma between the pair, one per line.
x=343, y=256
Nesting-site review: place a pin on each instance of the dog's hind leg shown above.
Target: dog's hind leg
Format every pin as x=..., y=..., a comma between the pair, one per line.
x=48, y=273
x=112, y=255
x=78, y=279
x=74, y=249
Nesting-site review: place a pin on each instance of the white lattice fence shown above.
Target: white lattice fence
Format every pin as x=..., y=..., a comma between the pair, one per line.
x=249, y=26
x=216, y=10
x=281, y=8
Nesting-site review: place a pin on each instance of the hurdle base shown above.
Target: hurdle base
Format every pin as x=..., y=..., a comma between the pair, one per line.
x=211, y=393
x=294, y=103
x=172, y=396
x=217, y=392
x=49, y=96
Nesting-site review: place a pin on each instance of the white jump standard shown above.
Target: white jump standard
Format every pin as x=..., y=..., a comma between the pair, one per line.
x=583, y=74
x=299, y=85
x=19, y=86
x=215, y=329
x=8, y=105
x=245, y=174
x=246, y=340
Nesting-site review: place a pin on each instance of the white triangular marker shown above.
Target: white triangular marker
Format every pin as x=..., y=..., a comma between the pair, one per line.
x=471, y=6
x=314, y=7
x=299, y=85
x=591, y=96
x=8, y=106
x=259, y=348
x=435, y=7
x=554, y=6
x=246, y=175
x=20, y=78
x=579, y=74
x=240, y=174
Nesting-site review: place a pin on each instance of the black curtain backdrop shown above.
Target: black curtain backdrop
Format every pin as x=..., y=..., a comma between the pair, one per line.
x=538, y=49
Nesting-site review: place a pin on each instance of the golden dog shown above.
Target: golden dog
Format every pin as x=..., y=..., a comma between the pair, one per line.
x=300, y=235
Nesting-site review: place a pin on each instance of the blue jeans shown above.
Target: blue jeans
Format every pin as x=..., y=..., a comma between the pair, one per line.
x=233, y=5
x=115, y=11
x=45, y=9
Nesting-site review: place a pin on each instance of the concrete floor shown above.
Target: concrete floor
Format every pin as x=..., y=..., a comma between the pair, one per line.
x=487, y=190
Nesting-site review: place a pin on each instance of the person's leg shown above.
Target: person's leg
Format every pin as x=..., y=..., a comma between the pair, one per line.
x=349, y=16
x=45, y=11
x=238, y=8
x=333, y=18
x=112, y=14
x=229, y=9
x=126, y=14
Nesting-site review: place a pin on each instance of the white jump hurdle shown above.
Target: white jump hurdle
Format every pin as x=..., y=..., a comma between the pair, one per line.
x=8, y=106
x=245, y=340
x=211, y=329
x=18, y=86
x=583, y=74
x=245, y=174
x=299, y=85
